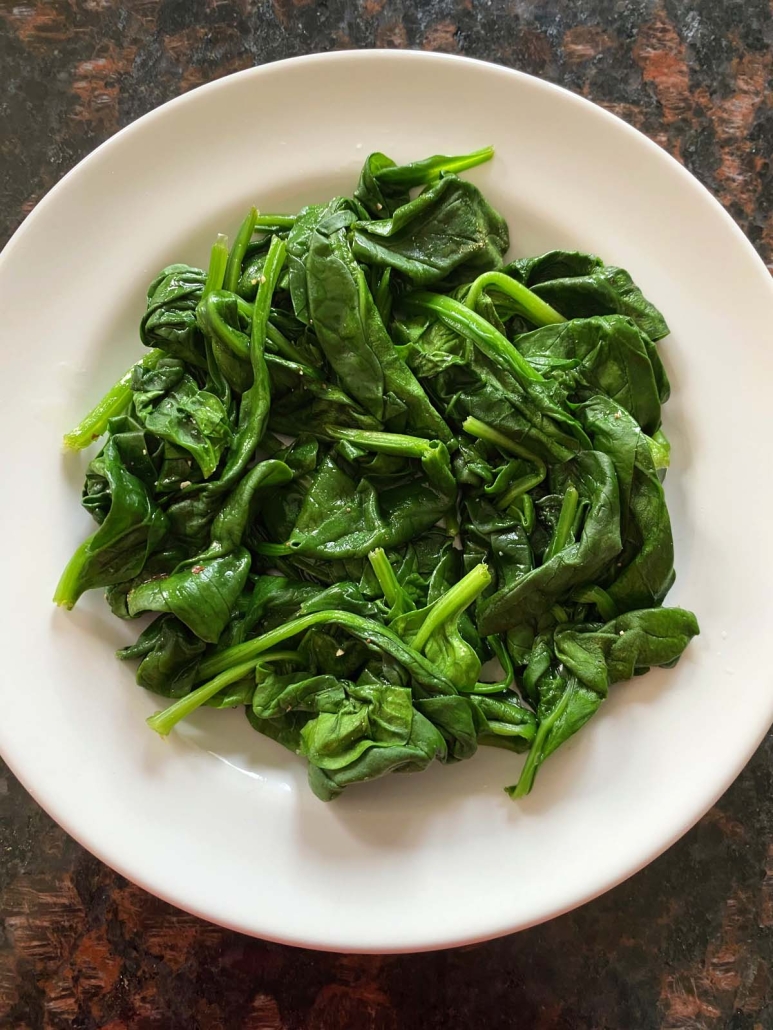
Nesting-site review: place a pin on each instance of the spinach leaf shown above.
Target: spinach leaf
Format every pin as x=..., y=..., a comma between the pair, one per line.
x=434, y=630
x=298, y=245
x=129, y=531
x=201, y=596
x=610, y=355
x=423, y=744
x=569, y=676
x=354, y=340
x=448, y=229
x=170, y=320
x=384, y=185
x=581, y=285
x=591, y=474
x=343, y=518
x=169, y=654
x=171, y=406
x=644, y=572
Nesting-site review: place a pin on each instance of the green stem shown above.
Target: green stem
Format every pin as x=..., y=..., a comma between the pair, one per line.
x=272, y=269
x=660, y=449
x=67, y=589
x=472, y=325
x=372, y=633
x=563, y=531
x=283, y=346
x=277, y=339
x=597, y=595
x=385, y=575
x=254, y=408
x=114, y=402
x=525, y=509
x=517, y=489
x=250, y=649
x=488, y=433
x=270, y=550
x=233, y=269
x=212, y=320
x=534, y=758
x=382, y=295
x=526, y=302
x=384, y=443
x=282, y=656
x=272, y=223
x=452, y=603
x=163, y=722
x=293, y=366
x=559, y=614
x=507, y=667
x=430, y=169
x=218, y=259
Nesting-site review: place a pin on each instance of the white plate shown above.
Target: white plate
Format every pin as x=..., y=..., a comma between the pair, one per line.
x=219, y=820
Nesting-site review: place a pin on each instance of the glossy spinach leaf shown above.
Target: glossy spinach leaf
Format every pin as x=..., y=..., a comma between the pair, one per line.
x=609, y=354
x=170, y=320
x=131, y=528
x=578, y=562
x=449, y=229
x=569, y=672
x=344, y=518
x=355, y=342
x=202, y=596
x=169, y=656
x=581, y=285
x=171, y=406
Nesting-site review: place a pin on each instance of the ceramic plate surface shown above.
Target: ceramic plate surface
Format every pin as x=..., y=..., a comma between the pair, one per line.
x=219, y=820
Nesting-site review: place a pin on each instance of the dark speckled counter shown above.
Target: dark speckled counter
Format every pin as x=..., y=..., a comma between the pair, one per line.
x=687, y=944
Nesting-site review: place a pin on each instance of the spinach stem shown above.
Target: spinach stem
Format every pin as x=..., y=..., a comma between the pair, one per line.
x=534, y=757
x=269, y=223
x=382, y=295
x=162, y=722
x=452, y=603
x=277, y=339
x=272, y=269
x=272, y=550
x=484, y=432
x=281, y=656
x=67, y=593
x=563, y=531
x=429, y=170
x=233, y=268
x=253, y=412
x=517, y=489
x=526, y=302
x=483, y=334
x=371, y=632
x=384, y=443
x=211, y=317
x=505, y=661
x=385, y=575
x=250, y=649
x=218, y=259
x=295, y=366
x=597, y=595
x=114, y=402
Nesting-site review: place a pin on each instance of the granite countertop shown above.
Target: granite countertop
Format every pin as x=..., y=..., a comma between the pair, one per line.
x=687, y=944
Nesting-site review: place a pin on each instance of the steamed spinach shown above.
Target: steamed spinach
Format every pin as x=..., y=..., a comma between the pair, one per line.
x=394, y=497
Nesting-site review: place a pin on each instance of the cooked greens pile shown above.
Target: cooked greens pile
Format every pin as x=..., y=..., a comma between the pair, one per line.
x=396, y=497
